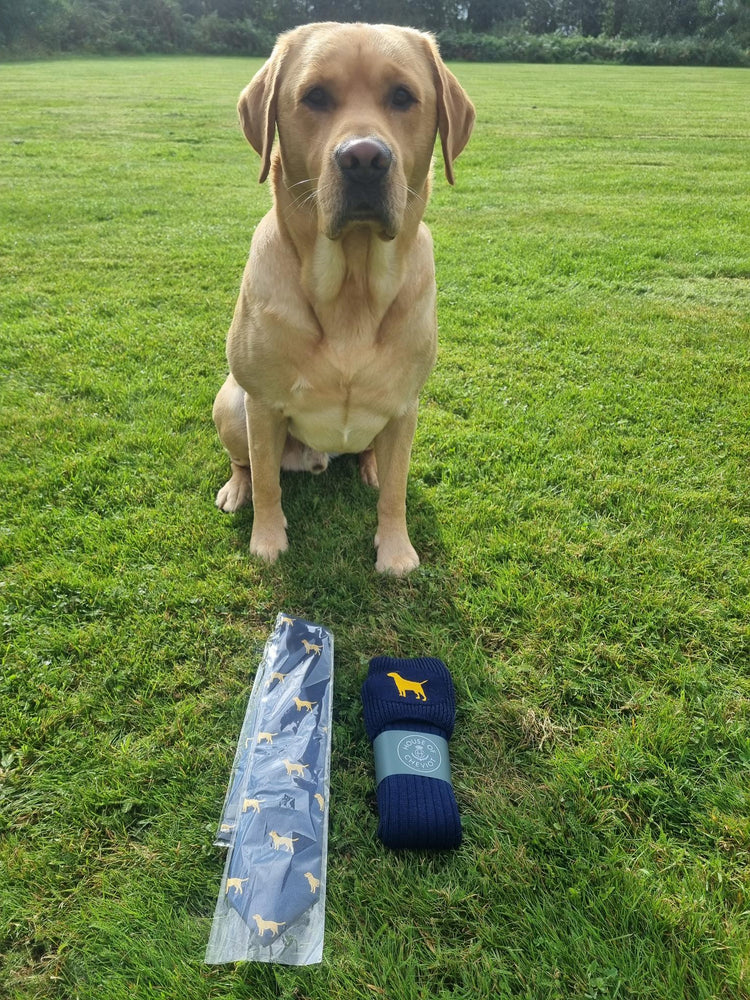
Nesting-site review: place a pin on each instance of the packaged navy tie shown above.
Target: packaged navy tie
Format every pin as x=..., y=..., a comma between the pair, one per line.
x=271, y=905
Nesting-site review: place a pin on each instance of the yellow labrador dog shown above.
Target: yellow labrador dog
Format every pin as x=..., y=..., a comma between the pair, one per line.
x=334, y=332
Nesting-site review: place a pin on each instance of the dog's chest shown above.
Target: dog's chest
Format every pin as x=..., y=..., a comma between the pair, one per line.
x=339, y=402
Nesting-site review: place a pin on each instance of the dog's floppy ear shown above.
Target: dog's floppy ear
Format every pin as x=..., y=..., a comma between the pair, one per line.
x=257, y=108
x=455, y=111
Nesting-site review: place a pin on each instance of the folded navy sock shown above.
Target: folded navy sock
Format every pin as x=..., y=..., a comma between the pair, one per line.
x=410, y=711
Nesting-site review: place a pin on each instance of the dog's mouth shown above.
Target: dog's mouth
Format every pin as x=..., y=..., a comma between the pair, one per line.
x=363, y=170
x=369, y=214
x=364, y=211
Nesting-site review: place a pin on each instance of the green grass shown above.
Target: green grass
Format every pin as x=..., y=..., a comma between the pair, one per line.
x=579, y=497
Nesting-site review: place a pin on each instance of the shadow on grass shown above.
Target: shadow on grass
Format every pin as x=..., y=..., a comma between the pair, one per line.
x=328, y=576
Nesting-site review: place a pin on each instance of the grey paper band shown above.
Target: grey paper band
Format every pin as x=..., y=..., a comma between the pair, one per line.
x=402, y=751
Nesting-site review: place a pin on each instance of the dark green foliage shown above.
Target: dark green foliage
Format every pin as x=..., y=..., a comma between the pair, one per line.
x=655, y=32
x=556, y=48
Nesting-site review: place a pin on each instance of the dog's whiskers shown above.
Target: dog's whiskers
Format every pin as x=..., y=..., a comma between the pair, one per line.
x=416, y=205
x=307, y=180
x=303, y=199
x=300, y=202
x=416, y=194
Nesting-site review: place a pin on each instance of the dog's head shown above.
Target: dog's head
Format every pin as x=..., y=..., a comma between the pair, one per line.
x=357, y=108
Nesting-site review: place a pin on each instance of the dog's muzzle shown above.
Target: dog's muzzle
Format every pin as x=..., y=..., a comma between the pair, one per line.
x=363, y=162
x=364, y=165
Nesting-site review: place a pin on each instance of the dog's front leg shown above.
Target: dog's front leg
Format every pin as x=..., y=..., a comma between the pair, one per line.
x=392, y=452
x=266, y=430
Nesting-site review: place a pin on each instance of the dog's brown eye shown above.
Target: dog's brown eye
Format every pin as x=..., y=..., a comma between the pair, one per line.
x=318, y=99
x=401, y=98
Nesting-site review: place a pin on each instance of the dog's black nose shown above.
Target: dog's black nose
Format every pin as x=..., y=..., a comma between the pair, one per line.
x=364, y=161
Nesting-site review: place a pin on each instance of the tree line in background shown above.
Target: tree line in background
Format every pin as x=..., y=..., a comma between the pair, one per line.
x=637, y=31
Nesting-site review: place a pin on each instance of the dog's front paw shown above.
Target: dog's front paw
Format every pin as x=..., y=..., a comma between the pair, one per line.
x=396, y=556
x=236, y=492
x=268, y=543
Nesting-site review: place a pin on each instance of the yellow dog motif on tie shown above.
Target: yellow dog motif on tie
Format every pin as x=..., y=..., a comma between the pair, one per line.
x=236, y=884
x=287, y=621
x=314, y=882
x=292, y=768
x=275, y=677
x=286, y=842
x=309, y=705
x=405, y=685
x=267, y=925
x=266, y=737
x=253, y=804
x=311, y=647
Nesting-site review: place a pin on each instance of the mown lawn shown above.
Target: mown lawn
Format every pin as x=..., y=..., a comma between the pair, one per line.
x=580, y=499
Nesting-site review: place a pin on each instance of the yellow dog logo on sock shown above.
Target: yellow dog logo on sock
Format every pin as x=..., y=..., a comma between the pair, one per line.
x=405, y=685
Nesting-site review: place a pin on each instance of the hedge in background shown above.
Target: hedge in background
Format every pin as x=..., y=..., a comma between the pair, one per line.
x=576, y=49
x=166, y=27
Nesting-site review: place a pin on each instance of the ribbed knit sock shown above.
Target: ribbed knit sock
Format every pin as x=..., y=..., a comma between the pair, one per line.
x=415, y=696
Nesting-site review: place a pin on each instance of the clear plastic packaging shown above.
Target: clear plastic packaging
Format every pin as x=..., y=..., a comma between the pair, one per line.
x=271, y=905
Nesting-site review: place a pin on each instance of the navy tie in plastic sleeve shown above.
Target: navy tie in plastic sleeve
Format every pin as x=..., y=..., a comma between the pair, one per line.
x=271, y=905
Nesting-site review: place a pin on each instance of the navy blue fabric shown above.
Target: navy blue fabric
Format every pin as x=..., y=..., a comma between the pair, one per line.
x=415, y=811
x=274, y=871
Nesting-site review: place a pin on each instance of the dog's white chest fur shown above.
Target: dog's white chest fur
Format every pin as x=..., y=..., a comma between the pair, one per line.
x=335, y=411
x=323, y=432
